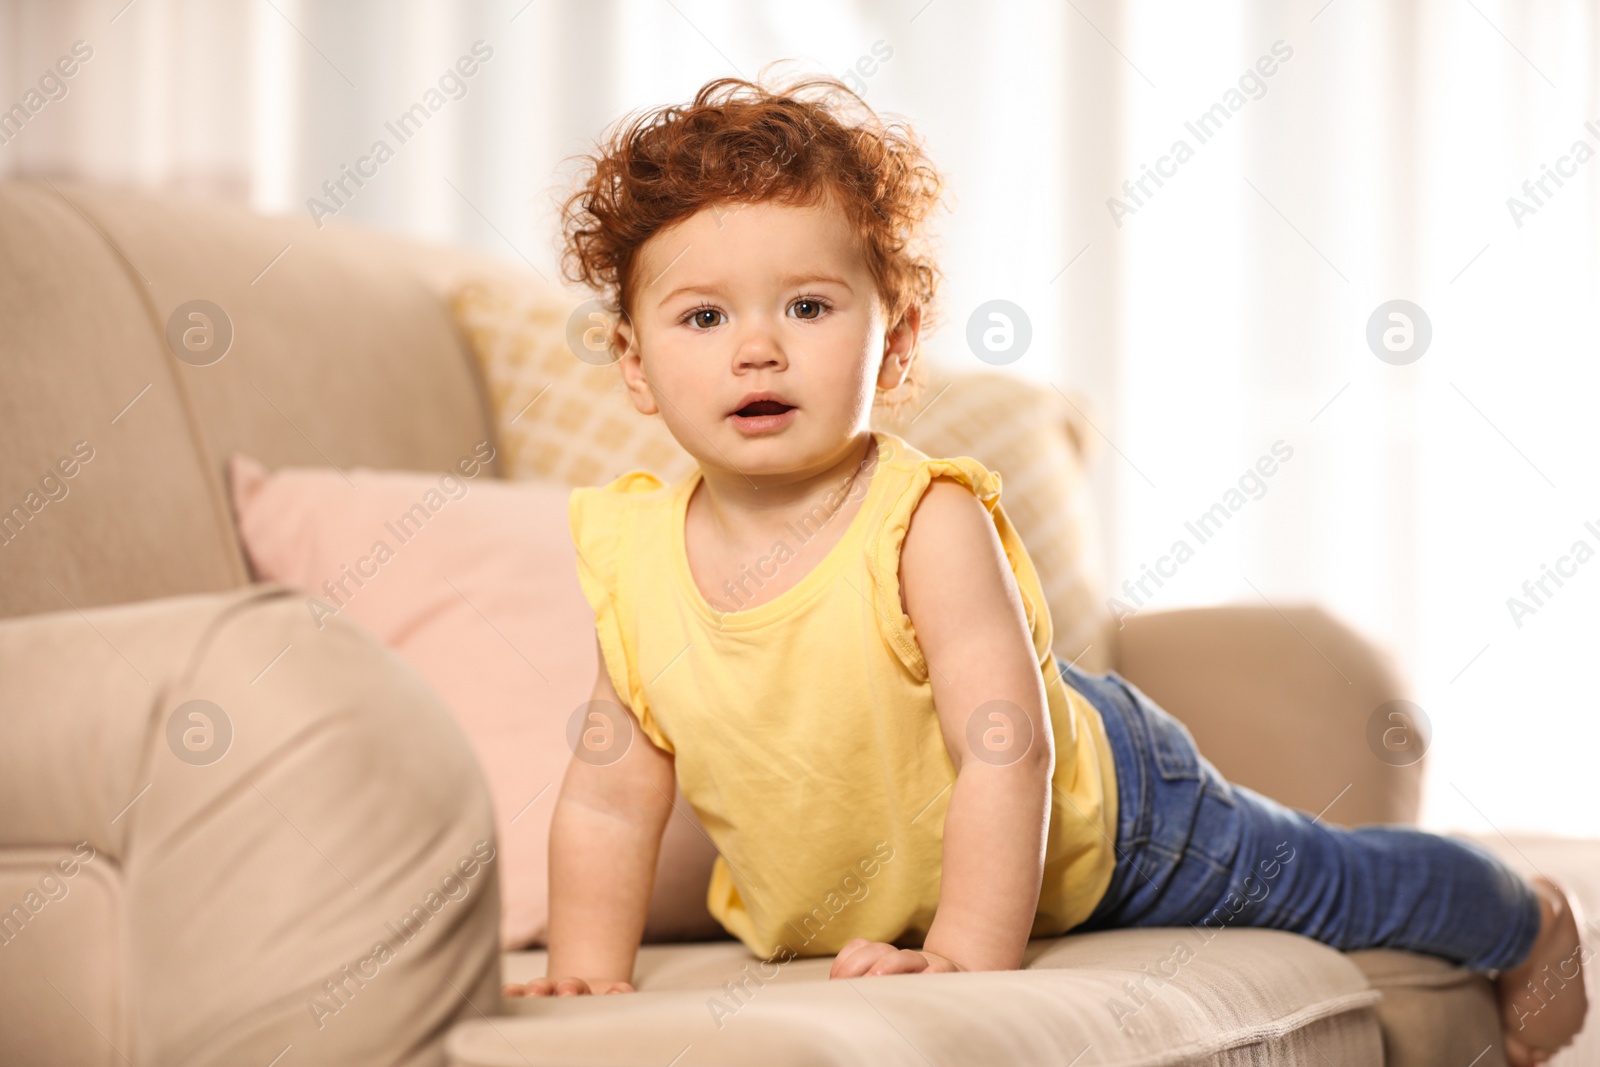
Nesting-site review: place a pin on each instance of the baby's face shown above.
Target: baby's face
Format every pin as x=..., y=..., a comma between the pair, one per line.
x=748, y=298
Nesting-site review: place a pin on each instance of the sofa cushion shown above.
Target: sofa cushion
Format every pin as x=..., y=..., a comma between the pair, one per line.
x=1432, y=1011
x=473, y=580
x=1125, y=997
x=103, y=496
x=341, y=355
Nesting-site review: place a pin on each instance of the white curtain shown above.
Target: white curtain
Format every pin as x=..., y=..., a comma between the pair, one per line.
x=1376, y=164
x=1336, y=155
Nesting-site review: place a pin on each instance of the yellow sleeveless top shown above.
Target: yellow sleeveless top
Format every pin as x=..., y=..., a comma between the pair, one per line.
x=804, y=728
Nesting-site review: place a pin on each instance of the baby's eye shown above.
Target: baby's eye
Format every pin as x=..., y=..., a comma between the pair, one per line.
x=814, y=306
x=698, y=317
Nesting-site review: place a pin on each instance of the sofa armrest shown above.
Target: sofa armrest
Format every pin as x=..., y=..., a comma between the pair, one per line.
x=312, y=865
x=1280, y=701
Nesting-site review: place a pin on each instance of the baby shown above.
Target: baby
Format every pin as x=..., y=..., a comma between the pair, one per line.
x=840, y=650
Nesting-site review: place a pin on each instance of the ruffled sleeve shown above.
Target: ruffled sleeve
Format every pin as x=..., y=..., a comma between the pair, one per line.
x=883, y=556
x=601, y=521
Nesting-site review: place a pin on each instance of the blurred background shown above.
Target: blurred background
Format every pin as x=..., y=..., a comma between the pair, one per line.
x=1206, y=214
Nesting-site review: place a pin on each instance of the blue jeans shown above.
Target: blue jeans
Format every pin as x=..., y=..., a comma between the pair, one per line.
x=1195, y=849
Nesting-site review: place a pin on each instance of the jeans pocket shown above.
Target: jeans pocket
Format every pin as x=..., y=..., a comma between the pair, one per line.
x=1172, y=747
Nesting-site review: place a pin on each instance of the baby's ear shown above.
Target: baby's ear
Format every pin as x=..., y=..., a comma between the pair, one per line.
x=897, y=366
x=912, y=320
x=623, y=339
x=638, y=386
x=630, y=366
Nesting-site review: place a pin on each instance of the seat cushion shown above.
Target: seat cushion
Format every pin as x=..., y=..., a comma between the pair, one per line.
x=1432, y=1011
x=1133, y=997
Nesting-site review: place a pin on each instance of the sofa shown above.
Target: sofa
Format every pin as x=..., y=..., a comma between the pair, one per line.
x=162, y=906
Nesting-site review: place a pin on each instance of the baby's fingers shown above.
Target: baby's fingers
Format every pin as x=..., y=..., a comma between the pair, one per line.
x=572, y=987
x=857, y=956
x=539, y=987
x=900, y=961
x=548, y=987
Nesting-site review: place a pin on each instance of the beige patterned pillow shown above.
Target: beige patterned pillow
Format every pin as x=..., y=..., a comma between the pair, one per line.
x=557, y=416
x=1038, y=440
x=561, y=418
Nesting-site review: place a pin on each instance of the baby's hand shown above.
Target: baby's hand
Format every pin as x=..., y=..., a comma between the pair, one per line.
x=862, y=957
x=565, y=987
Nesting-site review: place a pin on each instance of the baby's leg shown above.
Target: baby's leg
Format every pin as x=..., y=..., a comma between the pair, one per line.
x=1198, y=850
x=1399, y=887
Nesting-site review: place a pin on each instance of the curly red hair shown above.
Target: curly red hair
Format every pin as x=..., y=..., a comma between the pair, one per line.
x=739, y=141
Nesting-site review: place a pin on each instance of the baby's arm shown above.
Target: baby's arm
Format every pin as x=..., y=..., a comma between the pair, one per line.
x=972, y=628
x=604, y=838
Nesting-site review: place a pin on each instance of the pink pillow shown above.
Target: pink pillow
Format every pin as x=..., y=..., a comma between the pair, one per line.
x=478, y=591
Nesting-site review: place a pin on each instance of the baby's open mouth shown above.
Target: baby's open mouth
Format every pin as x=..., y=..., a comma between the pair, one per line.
x=763, y=407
